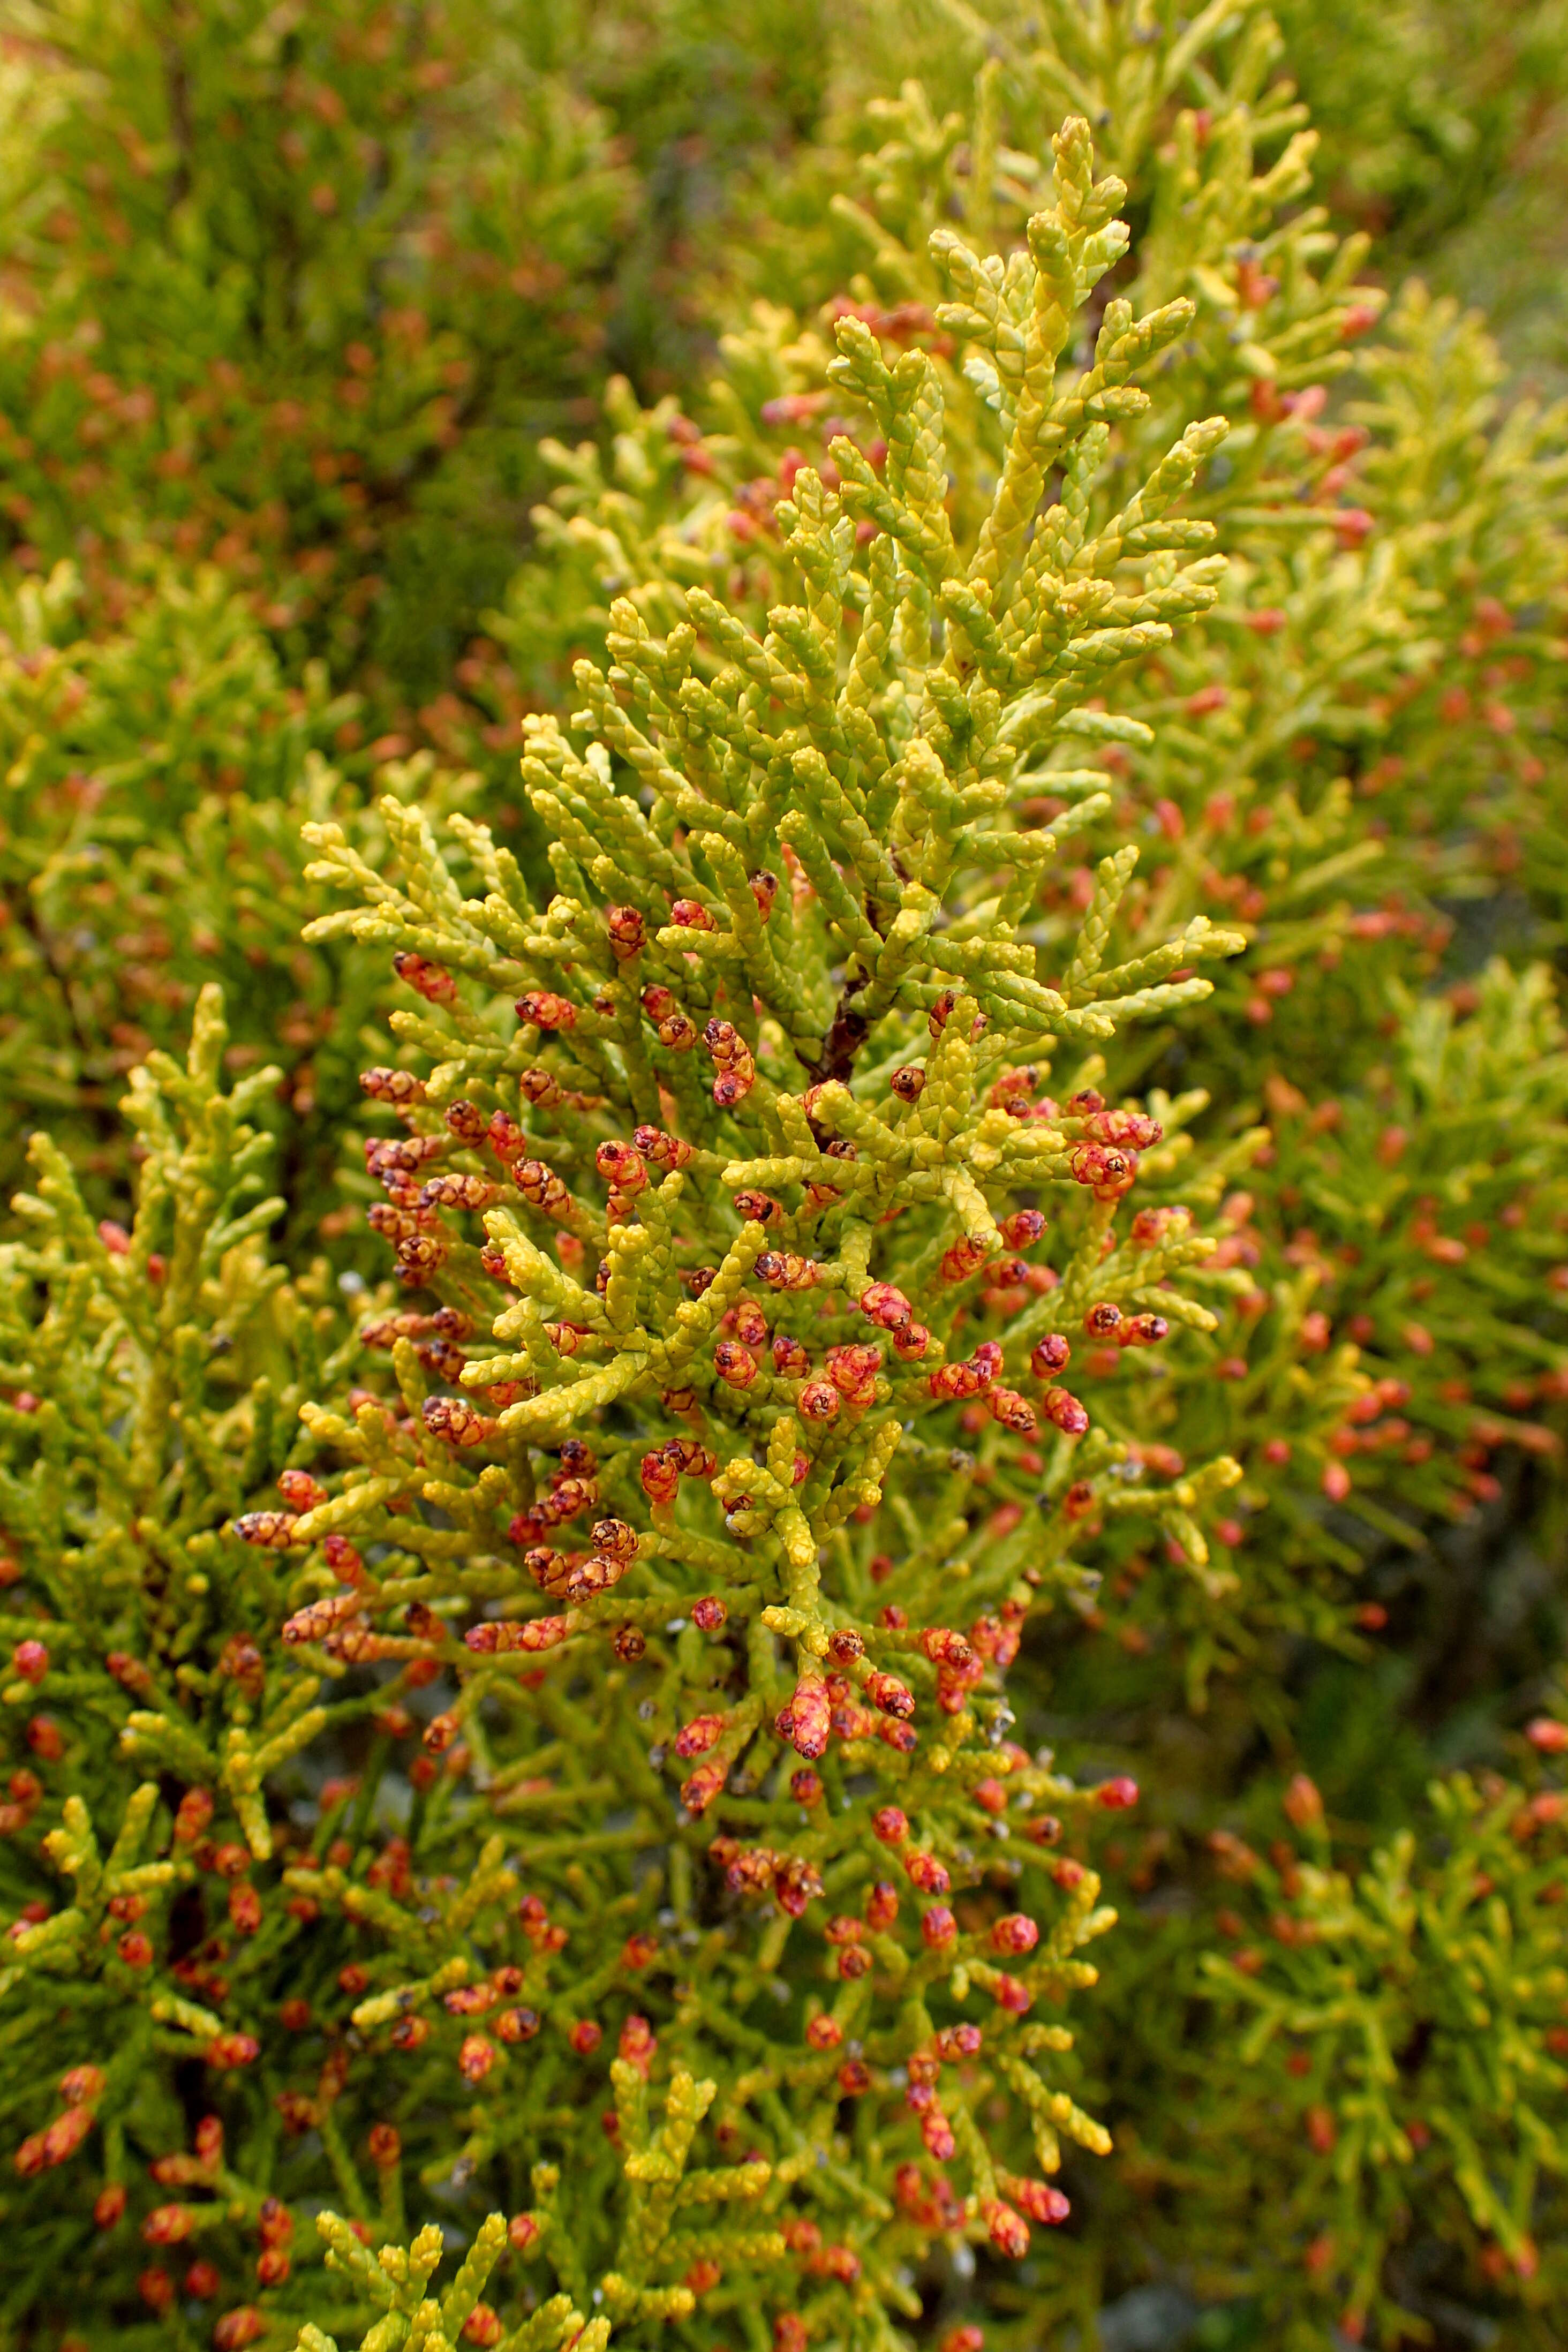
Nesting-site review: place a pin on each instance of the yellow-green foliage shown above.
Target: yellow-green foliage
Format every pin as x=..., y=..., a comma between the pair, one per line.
x=157, y=776
x=703, y=1415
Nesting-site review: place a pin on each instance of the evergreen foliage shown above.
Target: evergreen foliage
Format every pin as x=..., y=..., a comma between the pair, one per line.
x=780, y=1527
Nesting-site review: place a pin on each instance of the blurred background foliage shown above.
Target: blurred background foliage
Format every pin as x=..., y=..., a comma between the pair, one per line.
x=352, y=356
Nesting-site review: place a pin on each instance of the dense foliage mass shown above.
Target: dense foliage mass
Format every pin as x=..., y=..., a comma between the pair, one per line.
x=780, y=1514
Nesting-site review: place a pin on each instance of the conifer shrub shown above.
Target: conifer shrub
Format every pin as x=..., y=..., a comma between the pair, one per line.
x=287, y=301
x=1440, y=125
x=966, y=1219
x=160, y=773
x=1393, y=628
x=1344, y=853
x=300, y=290
x=798, y=1331
x=301, y=286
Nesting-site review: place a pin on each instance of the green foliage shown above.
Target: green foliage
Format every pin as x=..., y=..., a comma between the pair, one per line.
x=158, y=776
x=301, y=288
x=1342, y=674
x=280, y=306
x=1340, y=2076
x=1440, y=126
x=964, y=1196
x=1422, y=1994
x=286, y=302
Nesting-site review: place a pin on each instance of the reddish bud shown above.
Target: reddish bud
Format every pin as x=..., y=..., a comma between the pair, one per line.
x=807, y=1721
x=625, y=925
x=238, y=2329
x=129, y=1674
x=884, y=1305
x=274, y=1530
x=886, y=1692
x=1039, y=2200
x=698, y=1792
x=436, y=985
x=926, y=1874
x=545, y=1009
x=938, y=1928
x=1009, y=2233
x=1014, y=1934
x=167, y=2225
x=243, y=1909
x=476, y=2057
x=957, y=2042
x=1064, y=1412
x=396, y=1087
x=966, y=1258
x=56, y=2143
x=637, y=2044
x=694, y=1739
x=1303, y=1805
x=1012, y=1411
x=853, y=1369
x=881, y=1905
x=621, y=1166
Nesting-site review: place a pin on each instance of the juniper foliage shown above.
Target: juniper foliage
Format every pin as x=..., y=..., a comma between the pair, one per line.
x=972, y=1205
